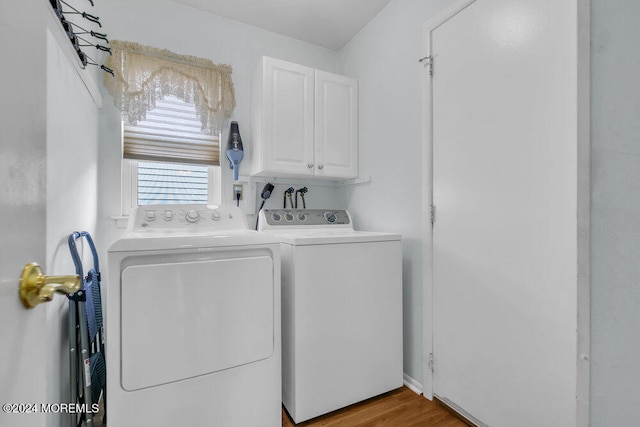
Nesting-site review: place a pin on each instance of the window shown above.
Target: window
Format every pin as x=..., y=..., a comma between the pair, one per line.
x=161, y=183
x=167, y=159
x=164, y=136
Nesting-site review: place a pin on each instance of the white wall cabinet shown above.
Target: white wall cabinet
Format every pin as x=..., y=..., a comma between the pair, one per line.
x=306, y=122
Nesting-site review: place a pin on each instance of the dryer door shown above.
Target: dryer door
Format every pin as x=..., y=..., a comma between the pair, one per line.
x=185, y=319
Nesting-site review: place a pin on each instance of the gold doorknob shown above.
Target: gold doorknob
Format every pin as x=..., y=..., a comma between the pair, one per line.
x=35, y=287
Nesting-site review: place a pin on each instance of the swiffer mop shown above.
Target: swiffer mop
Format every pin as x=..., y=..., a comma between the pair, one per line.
x=235, y=152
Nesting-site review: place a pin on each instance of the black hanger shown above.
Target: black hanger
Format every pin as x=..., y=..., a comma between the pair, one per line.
x=85, y=15
x=100, y=36
x=86, y=60
x=97, y=46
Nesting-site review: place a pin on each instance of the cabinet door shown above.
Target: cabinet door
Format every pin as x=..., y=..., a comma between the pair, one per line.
x=287, y=109
x=336, y=126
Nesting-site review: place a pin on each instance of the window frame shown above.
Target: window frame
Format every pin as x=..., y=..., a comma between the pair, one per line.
x=130, y=185
x=129, y=181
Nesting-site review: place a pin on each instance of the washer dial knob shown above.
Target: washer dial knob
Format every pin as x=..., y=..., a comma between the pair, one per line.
x=168, y=215
x=215, y=215
x=150, y=216
x=330, y=217
x=192, y=216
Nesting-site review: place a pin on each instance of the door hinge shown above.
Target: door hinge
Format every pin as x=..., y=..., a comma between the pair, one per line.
x=432, y=213
x=428, y=62
x=430, y=364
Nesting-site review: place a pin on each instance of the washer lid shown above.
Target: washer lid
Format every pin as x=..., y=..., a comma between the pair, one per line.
x=330, y=237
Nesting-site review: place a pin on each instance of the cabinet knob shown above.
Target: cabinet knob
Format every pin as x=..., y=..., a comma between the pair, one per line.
x=310, y=165
x=320, y=166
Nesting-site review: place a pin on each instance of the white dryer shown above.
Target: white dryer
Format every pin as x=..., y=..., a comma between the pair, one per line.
x=193, y=321
x=341, y=310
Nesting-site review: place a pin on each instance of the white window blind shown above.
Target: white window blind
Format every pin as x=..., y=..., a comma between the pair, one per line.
x=171, y=133
x=162, y=183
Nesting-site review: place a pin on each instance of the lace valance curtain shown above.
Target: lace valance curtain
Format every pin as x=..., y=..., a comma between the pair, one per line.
x=144, y=74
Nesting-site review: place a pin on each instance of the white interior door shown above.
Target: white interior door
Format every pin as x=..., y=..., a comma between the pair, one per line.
x=504, y=134
x=24, y=352
x=48, y=179
x=23, y=333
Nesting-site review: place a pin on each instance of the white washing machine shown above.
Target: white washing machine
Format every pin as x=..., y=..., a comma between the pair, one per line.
x=193, y=321
x=341, y=310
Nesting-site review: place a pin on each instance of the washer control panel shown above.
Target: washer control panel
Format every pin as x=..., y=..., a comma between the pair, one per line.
x=305, y=217
x=180, y=217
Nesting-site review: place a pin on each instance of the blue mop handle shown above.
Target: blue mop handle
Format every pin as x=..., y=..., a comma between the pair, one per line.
x=235, y=171
x=235, y=157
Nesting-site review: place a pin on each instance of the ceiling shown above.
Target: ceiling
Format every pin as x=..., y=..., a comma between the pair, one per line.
x=328, y=23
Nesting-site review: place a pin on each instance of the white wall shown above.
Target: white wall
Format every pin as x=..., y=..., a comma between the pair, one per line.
x=384, y=57
x=188, y=31
x=615, y=213
x=72, y=147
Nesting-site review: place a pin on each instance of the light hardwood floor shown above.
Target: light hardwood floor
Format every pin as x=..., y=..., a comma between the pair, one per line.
x=398, y=408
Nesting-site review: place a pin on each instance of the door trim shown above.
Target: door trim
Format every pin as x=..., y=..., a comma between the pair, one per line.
x=583, y=284
x=427, y=192
x=583, y=357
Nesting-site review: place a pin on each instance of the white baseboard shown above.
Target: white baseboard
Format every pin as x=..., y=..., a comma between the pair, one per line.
x=412, y=384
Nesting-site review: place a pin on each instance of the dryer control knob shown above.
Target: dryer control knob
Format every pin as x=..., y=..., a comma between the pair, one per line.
x=192, y=216
x=150, y=216
x=168, y=215
x=215, y=215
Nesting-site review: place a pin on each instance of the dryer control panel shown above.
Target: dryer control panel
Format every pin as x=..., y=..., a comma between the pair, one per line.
x=304, y=218
x=181, y=217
